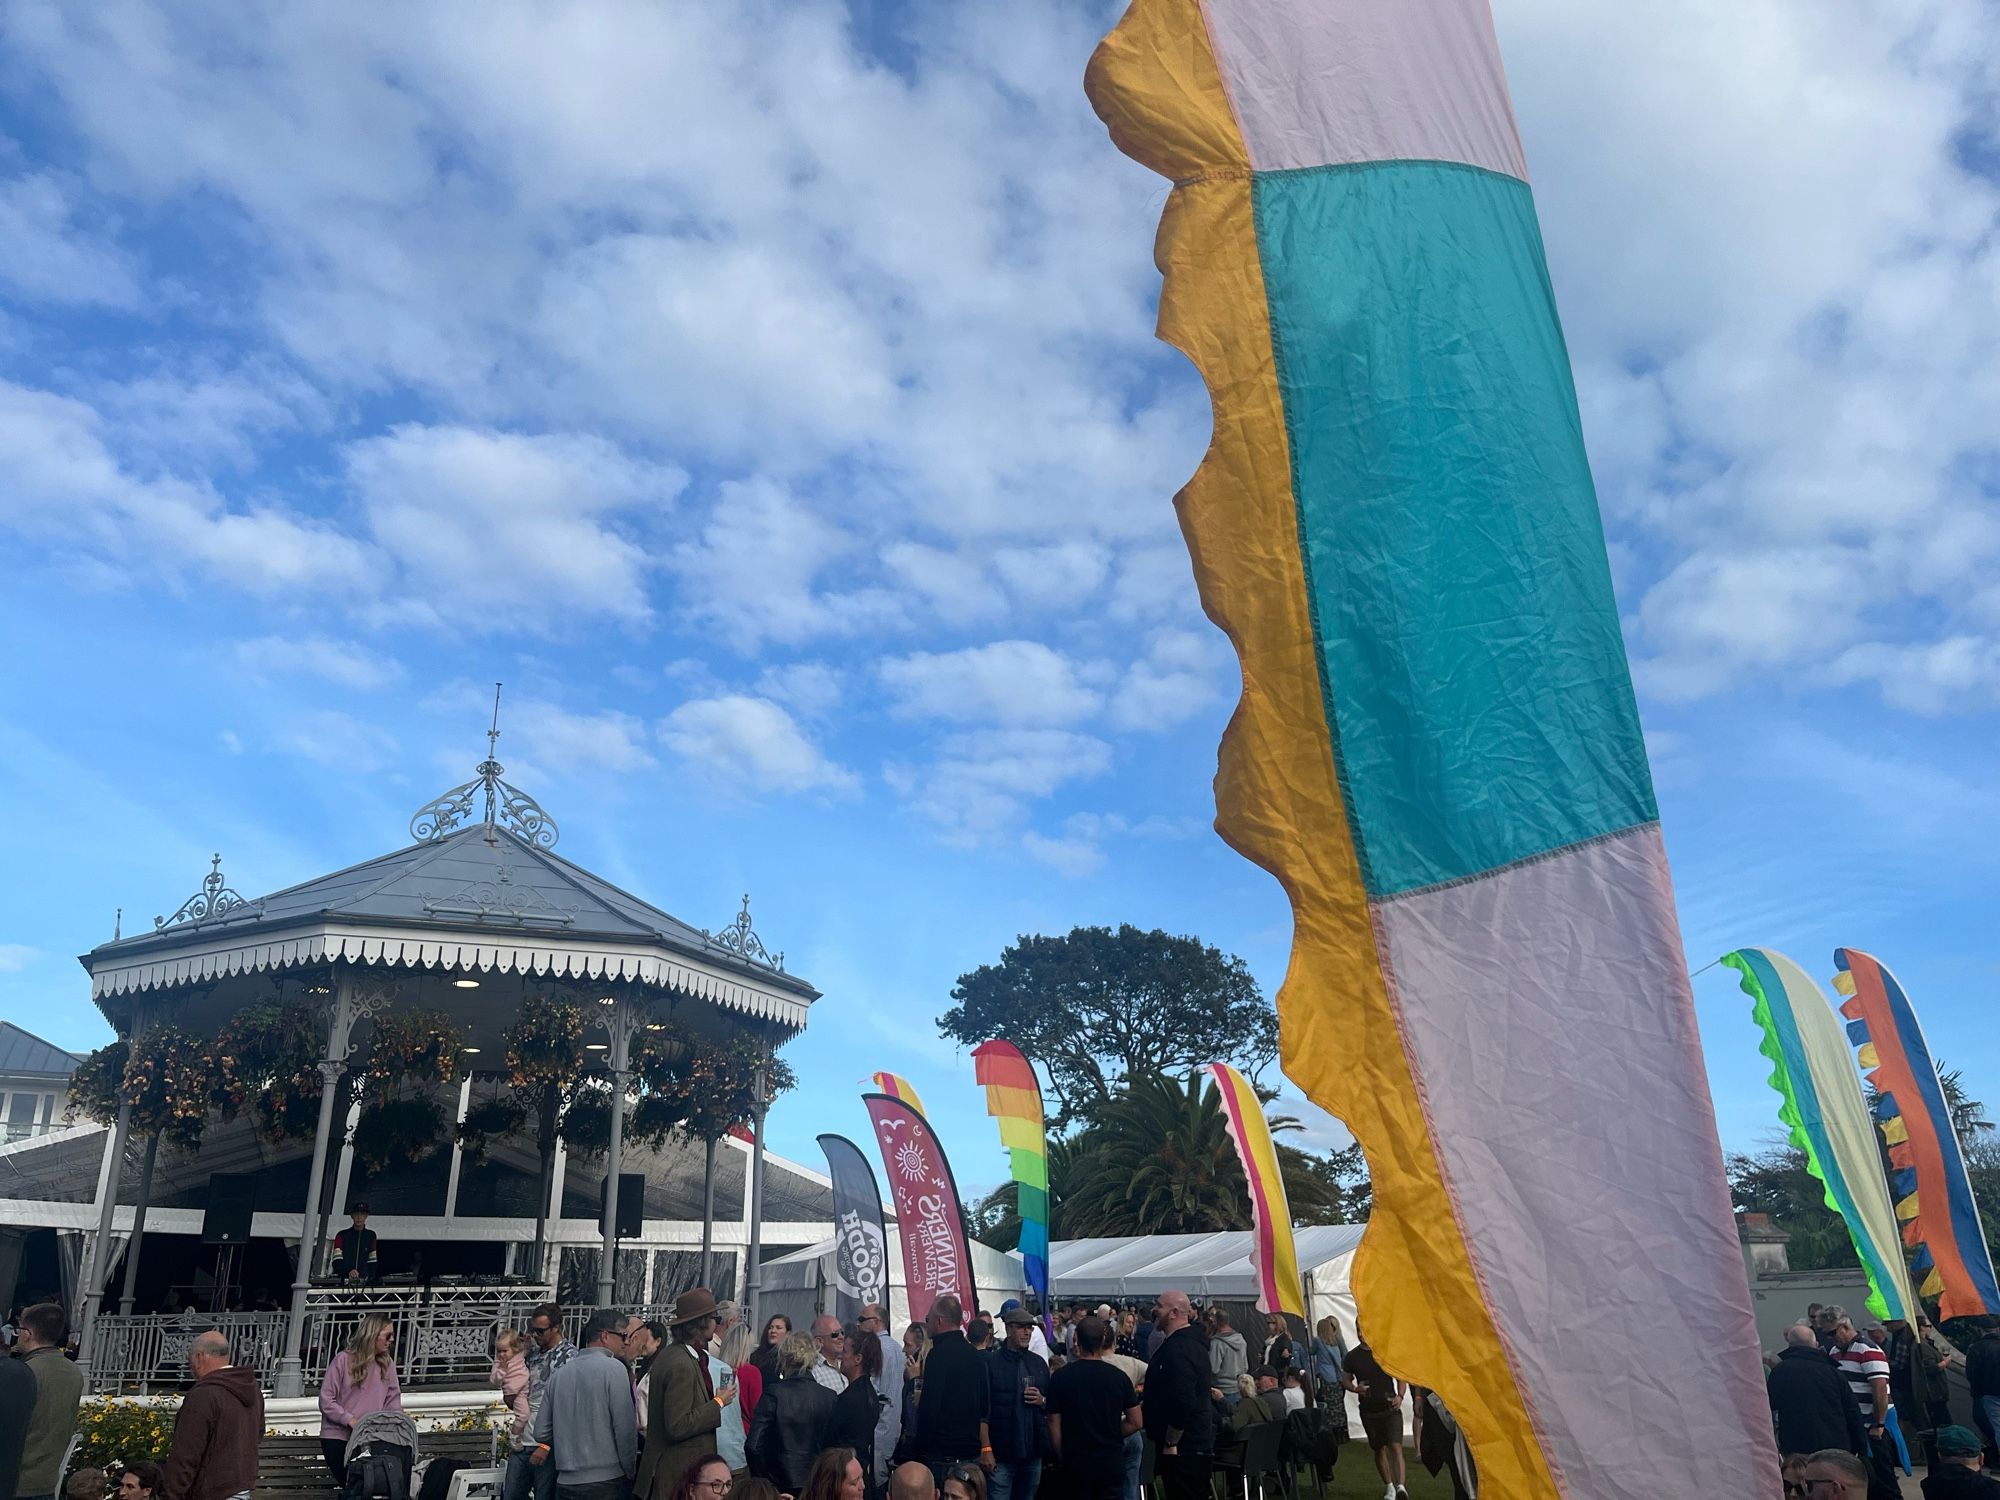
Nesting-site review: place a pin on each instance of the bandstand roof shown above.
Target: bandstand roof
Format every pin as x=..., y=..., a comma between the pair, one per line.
x=470, y=896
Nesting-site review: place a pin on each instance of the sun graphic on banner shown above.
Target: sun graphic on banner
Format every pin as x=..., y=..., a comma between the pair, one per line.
x=910, y=1161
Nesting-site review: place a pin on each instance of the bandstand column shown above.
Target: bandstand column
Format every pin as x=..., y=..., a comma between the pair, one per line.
x=97, y=1274
x=351, y=1002
x=127, y=1296
x=753, y=1273
x=617, y=1016
x=708, y=1214
x=343, y=1175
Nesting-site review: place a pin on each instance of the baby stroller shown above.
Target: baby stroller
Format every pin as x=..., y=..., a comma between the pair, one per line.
x=380, y=1454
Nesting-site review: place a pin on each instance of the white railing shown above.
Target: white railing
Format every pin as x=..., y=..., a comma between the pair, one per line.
x=443, y=1336
x=138, y=1355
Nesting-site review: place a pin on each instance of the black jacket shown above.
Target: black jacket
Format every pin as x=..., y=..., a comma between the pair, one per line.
x=1982, y=1366
x=788, y=1431
x=853, y=1425
x=1176, y=1398
x=17, y=1401
x=1019, y=1432
x=954, y=1400
x=1956, y=1482
x=1813, y=1406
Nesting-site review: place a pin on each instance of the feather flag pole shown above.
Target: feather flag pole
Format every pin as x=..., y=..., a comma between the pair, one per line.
x=1437, y=750
x=1928, y=1178
x=1014, y=1098
x=1820, y=1103
x=1274, y=1255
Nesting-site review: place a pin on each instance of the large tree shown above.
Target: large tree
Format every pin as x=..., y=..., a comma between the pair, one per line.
x=1776, y=1182
x=1098, y=1008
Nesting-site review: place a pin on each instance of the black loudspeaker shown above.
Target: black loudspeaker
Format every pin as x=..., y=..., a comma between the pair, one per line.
x=631, y=1203
x=232, y=1198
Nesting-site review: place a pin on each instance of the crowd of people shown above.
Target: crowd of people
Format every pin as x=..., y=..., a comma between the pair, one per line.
x=696, y=1406
x=1849, y=1401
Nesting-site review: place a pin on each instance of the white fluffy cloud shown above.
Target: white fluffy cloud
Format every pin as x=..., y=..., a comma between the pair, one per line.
x=43, y=254
x=484, y=523
x=342, y=663
x=752, y=744
x=1781, y=287
x=562, y=739
x=1181, y=674
x=65, y=488
x=753, y=574
x=1007, y=682
x=978, y=783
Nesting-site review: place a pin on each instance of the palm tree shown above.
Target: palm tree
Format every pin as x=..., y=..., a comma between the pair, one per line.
x=1159, y=1161
x=1968, y=1115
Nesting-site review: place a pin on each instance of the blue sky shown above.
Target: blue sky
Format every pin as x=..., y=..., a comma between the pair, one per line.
x=767, y=394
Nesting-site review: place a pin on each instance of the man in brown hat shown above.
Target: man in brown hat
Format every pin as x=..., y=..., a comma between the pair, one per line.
x=684, y=1407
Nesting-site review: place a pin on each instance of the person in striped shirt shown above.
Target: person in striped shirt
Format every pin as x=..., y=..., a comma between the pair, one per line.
x=1866, y=1370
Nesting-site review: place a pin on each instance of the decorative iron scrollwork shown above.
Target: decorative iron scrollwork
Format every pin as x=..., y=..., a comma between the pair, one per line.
x=211, y=901
x=508, y=806
x=740, y=938
x=440, y=815
x=499, y=898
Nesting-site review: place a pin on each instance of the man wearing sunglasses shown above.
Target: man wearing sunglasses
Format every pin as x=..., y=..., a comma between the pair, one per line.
x=1832, y=1474
x=586, y=1425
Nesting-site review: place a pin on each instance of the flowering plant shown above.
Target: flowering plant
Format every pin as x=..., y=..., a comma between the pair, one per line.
x=113, y=1433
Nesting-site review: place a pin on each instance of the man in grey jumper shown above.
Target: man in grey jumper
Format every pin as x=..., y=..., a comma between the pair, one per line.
x=587, y=1424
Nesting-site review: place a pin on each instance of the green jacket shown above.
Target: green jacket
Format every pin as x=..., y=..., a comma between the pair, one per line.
x=681, y=1419
x=58, y=1390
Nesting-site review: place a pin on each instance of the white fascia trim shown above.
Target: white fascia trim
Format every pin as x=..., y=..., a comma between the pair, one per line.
x=396, y=948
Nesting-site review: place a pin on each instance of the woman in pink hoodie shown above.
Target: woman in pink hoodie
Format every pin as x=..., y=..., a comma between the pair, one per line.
x=361, y=1379
x=510, y=1375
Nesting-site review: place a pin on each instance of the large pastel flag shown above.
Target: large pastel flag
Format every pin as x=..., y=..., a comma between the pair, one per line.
x=1821, y=1105
x=1014, y=1098
x=1932, y=1189
x=1273, y=1254
x=1437, y=751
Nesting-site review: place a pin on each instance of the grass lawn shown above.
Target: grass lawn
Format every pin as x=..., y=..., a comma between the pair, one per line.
x=1354, y=1479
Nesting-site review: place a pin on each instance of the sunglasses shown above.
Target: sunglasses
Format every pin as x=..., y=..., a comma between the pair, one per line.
x=964, y=1474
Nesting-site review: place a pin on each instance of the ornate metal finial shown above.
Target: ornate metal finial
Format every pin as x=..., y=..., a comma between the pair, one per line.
x=118, y=925
x=507, y=806
x=742, y=940
x=211, y=901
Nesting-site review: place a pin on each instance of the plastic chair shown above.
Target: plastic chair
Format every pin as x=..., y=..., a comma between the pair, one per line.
x=1261, y=1461
x=475, y=1484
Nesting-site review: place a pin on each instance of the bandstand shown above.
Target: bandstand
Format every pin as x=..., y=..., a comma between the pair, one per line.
x=473, y=917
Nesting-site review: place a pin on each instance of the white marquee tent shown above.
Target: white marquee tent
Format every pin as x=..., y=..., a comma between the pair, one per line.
x=797, y=1283
x=1205, y=1266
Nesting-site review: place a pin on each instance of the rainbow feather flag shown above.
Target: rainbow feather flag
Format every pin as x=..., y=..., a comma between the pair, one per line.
x=1437, y=751
x=1927, y=1169
x=1274, y=1255
x=898, y=1088
x=1014, y=1098
x=1821, y=1106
